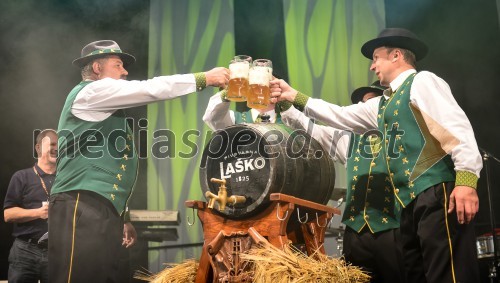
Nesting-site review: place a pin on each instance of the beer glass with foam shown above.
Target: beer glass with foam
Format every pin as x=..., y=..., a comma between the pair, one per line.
x=238, y=81
x=259, y=76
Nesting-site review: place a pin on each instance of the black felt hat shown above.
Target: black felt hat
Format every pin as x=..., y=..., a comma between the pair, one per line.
x=396, y=37
x=357, y=94
x=102, y=48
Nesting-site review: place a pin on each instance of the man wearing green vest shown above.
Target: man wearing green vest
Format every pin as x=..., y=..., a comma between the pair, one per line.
x=371, y=215
x=429, y=149
x=97, y=163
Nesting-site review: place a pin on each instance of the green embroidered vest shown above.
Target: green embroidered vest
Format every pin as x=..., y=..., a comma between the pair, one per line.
x=370, y=199
x=414, y=157
x=243, y=117
x=96, y=156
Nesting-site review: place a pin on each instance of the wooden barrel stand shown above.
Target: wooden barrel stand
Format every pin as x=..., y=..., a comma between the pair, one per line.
x=286, y=220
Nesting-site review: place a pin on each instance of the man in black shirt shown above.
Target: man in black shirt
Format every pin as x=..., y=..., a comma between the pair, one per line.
x=26, y=205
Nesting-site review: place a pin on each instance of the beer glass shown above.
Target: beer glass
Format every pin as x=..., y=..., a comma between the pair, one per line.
x=259, y=76
x=238, y=81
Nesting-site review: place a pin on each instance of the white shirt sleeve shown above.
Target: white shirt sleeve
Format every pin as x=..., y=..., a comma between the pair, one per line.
x=446, y=121
x=358, y=118
x=218, y=115
x=100, y=99
x=336, y=142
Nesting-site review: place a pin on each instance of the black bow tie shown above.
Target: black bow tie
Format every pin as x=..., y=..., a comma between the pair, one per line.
x=263, y=118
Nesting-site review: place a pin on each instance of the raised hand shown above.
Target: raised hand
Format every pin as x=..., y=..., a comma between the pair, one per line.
x=218, y=77
x=280, y=91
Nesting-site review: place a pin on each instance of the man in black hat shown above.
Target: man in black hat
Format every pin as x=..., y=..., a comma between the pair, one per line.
x=429, y=150
x=97, y=163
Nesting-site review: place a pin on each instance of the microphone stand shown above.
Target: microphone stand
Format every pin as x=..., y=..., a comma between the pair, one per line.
x=494, y=265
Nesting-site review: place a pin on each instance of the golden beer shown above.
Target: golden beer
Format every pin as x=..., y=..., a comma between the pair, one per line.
x=238, y=81
x=237, y=89
x=259, y=76
x=258, y=97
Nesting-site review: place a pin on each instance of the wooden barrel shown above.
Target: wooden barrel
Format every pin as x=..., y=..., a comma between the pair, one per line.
x=257, y=160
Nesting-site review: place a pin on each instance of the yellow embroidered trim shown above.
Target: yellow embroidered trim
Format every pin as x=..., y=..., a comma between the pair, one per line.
x=465, y=178
x=448, y=232
x=73, y=241
x=360, y=229
x=223, y=95
x=201, y=81
x=284, y=105
x=300, y=101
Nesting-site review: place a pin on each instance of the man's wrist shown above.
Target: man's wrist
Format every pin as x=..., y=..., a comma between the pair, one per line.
x=201, y=81
x=300, y=101
x=284, y=105
x=126, y=215
x=223, y=95
x=465, y=178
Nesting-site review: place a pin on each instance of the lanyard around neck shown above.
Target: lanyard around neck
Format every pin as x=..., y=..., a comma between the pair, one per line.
x=43, y=183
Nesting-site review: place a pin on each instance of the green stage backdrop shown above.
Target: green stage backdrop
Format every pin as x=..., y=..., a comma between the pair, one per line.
x=323, y=40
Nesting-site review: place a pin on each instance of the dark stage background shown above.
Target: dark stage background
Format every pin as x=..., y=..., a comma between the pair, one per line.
x=41, y=38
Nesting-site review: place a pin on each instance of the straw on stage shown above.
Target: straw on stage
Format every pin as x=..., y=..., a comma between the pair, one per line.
x=271, y=264
x=184, y=272
x=289, y=265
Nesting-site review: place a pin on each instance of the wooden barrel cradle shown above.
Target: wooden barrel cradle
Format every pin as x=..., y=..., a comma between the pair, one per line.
x=257, y=160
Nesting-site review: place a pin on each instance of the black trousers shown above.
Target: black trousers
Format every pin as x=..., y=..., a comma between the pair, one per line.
x=379, y=254
x=436, y=248
x=85, y=238
x=27, y=263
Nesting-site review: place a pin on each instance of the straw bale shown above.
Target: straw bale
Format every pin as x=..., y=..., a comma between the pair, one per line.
x=292, y=266
x=184, y=272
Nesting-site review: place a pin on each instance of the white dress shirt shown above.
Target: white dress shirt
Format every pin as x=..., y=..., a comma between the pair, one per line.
x=433, y=97
x=335, y=142
x=100, y=99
